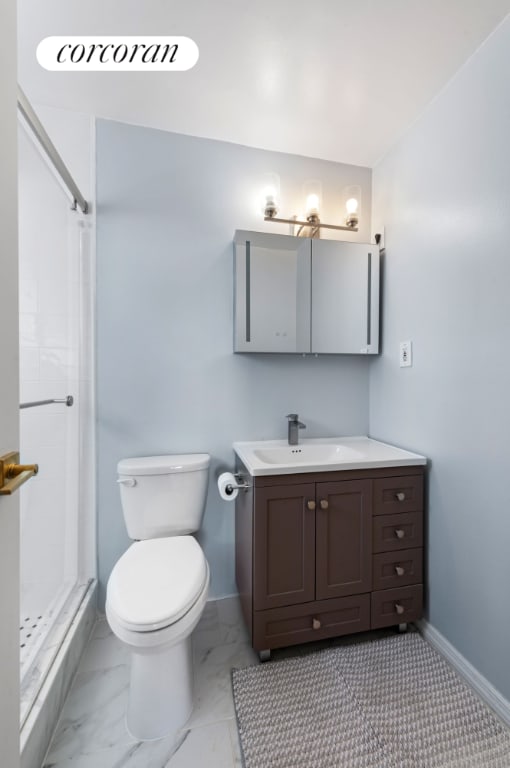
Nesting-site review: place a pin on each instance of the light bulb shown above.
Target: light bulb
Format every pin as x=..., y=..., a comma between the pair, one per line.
x=269, y=206
x=351, y=205
x=270, y=193
x=351, y=197
x=312, y=205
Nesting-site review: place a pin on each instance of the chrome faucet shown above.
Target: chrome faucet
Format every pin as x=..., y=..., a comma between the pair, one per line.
x=294, y=426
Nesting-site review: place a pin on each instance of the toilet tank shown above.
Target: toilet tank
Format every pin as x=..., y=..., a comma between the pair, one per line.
x=163, y=495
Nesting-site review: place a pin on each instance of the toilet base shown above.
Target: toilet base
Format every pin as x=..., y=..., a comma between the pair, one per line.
x=161, y=691
x=161, y=687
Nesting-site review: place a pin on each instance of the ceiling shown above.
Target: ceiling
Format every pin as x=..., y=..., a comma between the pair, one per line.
x=331, y=79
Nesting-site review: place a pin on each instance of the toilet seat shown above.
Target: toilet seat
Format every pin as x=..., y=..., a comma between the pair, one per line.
x=158, y=640
x=156, y=582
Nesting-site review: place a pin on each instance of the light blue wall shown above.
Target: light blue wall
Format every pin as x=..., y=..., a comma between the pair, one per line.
x=444, y=197
x=167, y=380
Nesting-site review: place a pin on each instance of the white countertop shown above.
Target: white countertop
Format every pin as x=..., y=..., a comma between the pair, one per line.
x=329, y=454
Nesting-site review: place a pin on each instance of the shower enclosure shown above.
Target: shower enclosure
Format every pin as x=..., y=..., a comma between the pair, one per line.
x=56, y=414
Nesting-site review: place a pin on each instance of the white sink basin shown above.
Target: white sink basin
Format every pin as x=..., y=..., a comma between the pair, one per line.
x=305, y=453
x=277, y=457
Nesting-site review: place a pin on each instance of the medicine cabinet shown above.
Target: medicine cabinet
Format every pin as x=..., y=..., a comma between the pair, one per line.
x=302, y=295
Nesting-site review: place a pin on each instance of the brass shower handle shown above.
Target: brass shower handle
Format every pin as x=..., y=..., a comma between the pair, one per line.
x=13, y=474
x=13, y=470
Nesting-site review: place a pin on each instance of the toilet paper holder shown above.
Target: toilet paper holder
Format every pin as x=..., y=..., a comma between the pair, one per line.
x=241, y=484
x=229, y=485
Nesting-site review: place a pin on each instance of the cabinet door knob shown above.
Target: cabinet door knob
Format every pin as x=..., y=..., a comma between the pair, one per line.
x=399, y=570
x=399, y=533
x=316, y=623
x=311, y=505
x=399, y=608
x=324, y=503
x=400, y=496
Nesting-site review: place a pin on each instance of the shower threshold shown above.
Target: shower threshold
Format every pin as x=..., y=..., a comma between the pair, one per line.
x=41, y=637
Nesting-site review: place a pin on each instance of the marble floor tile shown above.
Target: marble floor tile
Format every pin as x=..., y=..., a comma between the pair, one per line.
x=236, y=744
x=103, y=651
x=213, y=688
x=92, y=733
x=102, y=628
x=93, y=717
x=211, y=743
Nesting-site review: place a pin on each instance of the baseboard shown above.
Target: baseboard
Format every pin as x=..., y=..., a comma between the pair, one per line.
x=472, y=676
x=215, y=598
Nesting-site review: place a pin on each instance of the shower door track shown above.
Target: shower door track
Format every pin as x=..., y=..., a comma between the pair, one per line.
x=51, y=152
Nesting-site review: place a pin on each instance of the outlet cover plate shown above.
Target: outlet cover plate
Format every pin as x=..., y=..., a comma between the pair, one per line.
x=406, y=354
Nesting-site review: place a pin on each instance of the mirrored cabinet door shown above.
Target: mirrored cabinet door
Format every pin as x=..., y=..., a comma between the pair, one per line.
x=345, y=297
x=272, y=293
x=299, y=295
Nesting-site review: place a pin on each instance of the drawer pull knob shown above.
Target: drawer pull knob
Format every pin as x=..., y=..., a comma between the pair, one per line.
x=316, y=623
x=399, y=570
x=311, y=505
x=400, y=496
x=399, y=533
x=324, y=504
x=399, y=608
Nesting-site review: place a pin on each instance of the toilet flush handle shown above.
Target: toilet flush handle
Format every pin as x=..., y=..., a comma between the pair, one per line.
x=129, y=481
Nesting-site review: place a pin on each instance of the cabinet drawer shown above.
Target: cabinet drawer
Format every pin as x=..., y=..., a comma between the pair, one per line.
x=393, y=532
x=398, y=494
x=278, y=627
x=397, y=569
x=396, y=606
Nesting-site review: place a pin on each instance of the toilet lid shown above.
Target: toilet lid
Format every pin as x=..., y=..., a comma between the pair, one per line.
x=156, y=582
x=164, y=465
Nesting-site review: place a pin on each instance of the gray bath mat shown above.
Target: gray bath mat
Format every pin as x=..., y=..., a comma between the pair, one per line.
x=386, y=703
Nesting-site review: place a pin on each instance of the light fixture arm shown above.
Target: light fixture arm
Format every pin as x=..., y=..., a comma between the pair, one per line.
x=314, y=225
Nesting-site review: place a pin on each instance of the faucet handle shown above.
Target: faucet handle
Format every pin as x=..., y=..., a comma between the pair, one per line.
x=292, y=416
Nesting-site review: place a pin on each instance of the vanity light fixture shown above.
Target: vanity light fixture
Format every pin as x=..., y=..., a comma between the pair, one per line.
x=312, y=192
x=352, y=197
x=352, y=212
x=311, y=225
x=270, y=195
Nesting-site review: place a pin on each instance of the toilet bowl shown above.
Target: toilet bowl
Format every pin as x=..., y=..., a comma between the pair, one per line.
x=157, y=590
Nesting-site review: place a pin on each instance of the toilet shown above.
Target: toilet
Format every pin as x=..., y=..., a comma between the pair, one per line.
x=157, y=590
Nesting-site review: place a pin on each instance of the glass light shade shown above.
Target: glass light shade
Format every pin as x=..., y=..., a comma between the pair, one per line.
x=270, y=194
x=351, y=198
x=312, y=191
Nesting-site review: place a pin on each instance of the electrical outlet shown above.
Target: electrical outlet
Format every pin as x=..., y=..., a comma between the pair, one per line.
x=406, y=354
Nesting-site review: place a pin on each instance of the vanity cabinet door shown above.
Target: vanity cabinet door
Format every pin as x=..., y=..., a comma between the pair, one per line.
x=344, y=538
x=345, y=297
x=284, y=546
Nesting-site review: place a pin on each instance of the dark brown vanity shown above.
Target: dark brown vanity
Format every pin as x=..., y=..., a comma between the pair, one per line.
x=323, y=554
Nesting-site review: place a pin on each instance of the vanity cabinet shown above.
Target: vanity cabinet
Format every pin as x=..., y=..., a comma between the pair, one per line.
x=331, y=553
x=304, y=295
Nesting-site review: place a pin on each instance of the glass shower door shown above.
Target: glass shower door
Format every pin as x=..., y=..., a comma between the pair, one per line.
x=53, y=365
